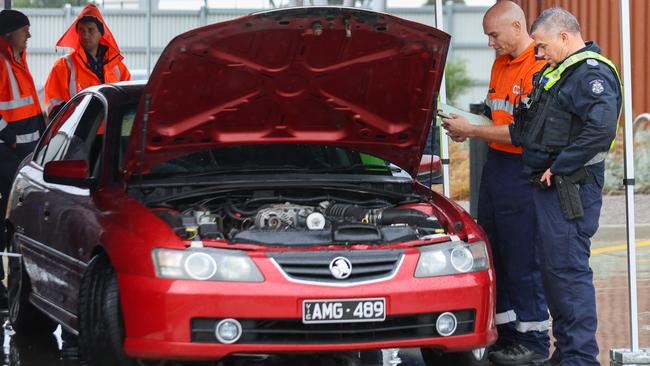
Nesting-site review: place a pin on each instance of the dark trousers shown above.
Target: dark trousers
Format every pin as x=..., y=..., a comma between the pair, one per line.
x=506, y=213
x=568, y=279
x=10, y=158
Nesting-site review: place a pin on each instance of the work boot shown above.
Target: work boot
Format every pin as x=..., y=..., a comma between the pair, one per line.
x=498, y=346
x=517, y=354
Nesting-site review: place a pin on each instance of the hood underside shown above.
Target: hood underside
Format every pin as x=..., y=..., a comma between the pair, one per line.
x=316, y=75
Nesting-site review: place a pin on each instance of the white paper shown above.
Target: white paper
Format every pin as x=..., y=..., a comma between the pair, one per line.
x=475, y=119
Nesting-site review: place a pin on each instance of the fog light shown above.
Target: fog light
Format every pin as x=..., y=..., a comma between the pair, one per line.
x=446, y=324
x=228, y=331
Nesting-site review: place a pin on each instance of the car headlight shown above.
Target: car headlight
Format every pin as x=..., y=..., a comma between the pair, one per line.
x=206, y=264
x=452, y=258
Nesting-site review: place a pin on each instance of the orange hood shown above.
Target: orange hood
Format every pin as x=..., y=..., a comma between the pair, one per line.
x=71, y=39
x=7, y=51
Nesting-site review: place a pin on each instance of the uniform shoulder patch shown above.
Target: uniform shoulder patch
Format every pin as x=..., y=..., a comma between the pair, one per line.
x=592, y=62
x=597, y=86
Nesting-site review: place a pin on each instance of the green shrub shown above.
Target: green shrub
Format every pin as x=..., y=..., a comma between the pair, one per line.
x=457, y=80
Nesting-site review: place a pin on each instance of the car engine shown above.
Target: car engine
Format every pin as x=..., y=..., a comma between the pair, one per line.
x=298, y=220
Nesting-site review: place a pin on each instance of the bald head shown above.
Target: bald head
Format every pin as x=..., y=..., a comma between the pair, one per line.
x=506, y=11
x=505, y=25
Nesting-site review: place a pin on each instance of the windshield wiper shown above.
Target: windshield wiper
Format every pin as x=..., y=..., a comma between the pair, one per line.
x=361, y=168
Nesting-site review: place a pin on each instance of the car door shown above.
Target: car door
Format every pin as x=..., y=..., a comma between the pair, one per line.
x=68, y=213
x=29, y=213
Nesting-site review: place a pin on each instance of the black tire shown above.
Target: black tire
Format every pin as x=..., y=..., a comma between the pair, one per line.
x=24, y=317
x=101, y=327
x=478, y=357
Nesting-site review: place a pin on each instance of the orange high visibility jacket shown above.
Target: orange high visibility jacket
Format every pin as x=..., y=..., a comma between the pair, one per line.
x=21, y=118
x=510, y=82
x=71, y=74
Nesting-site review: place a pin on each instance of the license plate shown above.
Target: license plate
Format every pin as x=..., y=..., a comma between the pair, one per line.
x=343, y=311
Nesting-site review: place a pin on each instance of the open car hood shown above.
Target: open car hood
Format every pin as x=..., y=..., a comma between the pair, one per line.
x=314, y=75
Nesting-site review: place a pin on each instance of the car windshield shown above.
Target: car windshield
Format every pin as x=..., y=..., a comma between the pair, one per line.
x=251, y=159
x=272, y=158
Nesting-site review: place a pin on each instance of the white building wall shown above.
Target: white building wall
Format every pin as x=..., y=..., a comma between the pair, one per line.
x=129, y=28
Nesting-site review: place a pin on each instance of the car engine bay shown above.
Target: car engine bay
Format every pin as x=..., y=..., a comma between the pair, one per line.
x=296, y=218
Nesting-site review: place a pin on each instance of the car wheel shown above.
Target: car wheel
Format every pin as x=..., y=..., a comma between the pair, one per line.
x=101, y=327
x=477, y=357
x=24, y=317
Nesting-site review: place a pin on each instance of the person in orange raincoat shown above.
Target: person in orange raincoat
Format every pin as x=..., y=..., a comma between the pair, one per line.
x=95, y=60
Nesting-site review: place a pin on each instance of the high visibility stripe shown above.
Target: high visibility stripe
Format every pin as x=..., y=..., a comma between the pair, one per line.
x=500, y=105
x=3, y=124
x=506, y=317
x=53, y=103
x=523, y=327
x=27, y=138
x=552, y=75
x=17, y=101
x=72, y=83
x=117, y=72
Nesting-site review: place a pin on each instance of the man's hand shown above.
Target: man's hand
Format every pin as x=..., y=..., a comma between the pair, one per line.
x=457, y=138
x=458, y=127
x=546, y=177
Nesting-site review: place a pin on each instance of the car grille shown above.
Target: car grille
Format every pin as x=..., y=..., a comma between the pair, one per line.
x=367, y=265
x=275, y=331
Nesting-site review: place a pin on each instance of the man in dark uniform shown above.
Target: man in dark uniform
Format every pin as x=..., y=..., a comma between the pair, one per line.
x=566, y=131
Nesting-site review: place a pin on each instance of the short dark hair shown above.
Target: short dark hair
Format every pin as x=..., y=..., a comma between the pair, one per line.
x=91, y=19
x=557, y=19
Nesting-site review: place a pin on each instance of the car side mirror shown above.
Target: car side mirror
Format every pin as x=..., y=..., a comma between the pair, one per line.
x=429, y=169
x=68, y=172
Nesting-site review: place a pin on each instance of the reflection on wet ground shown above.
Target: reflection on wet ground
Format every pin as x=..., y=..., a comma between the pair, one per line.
x=612, y=296
x=51, y=350
x=610, y=276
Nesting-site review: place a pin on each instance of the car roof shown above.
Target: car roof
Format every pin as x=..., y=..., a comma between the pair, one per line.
x=132, y=88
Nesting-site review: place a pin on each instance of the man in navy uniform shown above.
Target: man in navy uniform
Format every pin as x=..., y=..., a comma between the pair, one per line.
x=566, y=130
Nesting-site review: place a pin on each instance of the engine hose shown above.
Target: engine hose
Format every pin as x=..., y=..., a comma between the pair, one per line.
x=228, y=210
x=387, y=216
x=344, y=210
x=407, y=216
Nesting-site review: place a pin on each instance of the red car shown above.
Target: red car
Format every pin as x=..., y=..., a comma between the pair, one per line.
x=257, y=195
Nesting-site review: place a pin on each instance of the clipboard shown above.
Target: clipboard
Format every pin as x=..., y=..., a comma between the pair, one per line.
x=475, y=119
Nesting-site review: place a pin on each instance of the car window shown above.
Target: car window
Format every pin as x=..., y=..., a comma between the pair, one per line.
x=87, y=140
x=55, y=140
x=128, y=116
x=76, y=134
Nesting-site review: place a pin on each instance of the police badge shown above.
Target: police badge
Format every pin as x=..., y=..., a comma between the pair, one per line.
x=597, y=86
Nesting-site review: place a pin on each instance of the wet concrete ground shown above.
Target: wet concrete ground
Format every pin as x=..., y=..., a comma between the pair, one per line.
x=609, y=262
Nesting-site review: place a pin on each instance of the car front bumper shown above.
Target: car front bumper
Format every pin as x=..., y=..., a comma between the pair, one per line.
x=159, y=313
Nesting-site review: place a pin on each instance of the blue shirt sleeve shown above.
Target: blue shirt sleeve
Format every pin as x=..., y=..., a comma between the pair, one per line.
x=593, y=95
